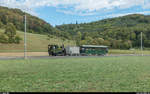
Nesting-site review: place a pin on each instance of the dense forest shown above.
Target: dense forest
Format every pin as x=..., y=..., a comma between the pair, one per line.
x=120, y=32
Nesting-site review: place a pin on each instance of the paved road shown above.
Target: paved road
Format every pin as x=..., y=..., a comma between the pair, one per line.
x=47, y=57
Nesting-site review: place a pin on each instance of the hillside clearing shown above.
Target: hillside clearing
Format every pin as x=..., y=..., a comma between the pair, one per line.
x=35, y=43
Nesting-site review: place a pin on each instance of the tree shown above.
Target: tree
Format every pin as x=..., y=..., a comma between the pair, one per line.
x=83, y=42
x=127, y=45
x=78, y=38
x=10, y=30
x=76, y=22
x=89, y=40
x=100, y=41
x=132, y=36
x=84, y=35
x=147, y=43
x=4, y=19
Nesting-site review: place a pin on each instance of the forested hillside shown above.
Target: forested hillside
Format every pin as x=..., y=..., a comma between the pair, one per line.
x=34, y=24
x=121, y=32
x=39, y=33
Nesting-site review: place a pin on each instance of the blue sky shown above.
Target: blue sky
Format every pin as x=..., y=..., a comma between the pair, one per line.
x=57, y=12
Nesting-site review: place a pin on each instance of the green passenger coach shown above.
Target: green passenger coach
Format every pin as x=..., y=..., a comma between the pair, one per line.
x=93, y=50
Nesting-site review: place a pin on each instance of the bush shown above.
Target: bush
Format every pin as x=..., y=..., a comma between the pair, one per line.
x=1, y=24
x=17, y=39
x=10, y=31
x=11, y=40
x=31, y=31
x=4, y=38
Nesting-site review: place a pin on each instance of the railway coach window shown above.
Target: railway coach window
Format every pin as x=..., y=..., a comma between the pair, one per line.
x=83, y=49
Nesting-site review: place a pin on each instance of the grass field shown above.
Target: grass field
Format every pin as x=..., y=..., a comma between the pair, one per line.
x=35, y=43
x=112, y=51
x=105, y=74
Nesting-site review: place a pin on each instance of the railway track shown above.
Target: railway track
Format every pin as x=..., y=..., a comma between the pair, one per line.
x=47, y=57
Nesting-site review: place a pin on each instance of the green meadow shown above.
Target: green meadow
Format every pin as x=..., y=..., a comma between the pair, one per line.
x=35, y=43
x=93, y=74
x=136, y=51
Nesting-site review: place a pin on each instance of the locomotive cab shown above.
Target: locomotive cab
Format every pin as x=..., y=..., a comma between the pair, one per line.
x=55, y=50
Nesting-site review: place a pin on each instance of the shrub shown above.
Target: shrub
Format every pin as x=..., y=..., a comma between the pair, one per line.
x=17, y=39
x=4, y=38
x=10, y=31
x=31, y=31
x=1, y=24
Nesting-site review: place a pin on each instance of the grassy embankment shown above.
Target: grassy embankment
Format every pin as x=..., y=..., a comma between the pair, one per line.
x=35, y=43
x=112, y=51
x=105, y=74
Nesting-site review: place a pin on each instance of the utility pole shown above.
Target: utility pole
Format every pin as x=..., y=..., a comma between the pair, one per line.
x=142, y=43
x=25, y=30
x=25, y=45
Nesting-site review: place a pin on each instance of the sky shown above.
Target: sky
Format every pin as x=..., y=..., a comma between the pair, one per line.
x=57, y=12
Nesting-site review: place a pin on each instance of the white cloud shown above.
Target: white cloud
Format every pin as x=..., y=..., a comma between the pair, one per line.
x=81, y=7
x=76, y=13
x=21, y=4
x=123, y=14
